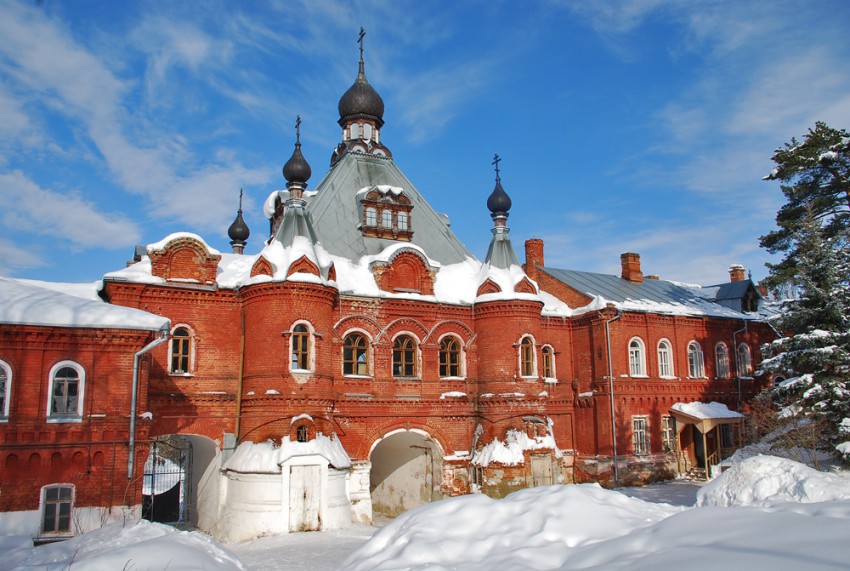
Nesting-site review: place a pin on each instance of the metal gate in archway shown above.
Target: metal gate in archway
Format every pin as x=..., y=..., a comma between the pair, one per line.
x=167, y=481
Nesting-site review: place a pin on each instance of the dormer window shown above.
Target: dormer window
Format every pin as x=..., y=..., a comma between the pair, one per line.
x=386, y=212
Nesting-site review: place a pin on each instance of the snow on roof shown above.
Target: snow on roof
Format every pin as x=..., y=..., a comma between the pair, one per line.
x=649, y=296
x=25, y=303
x=266, y=457
x=705, y=410
x=382, y=188
x=176, y=235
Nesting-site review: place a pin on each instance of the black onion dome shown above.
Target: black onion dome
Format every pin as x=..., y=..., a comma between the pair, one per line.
x=362, y=100
x=499, y=202
x=239, y=231
x=296, y=168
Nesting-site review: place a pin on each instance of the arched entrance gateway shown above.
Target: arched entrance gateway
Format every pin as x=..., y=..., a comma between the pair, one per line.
x=407, y=467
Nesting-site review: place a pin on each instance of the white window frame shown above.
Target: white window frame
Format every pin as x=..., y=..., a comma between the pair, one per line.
x=550, y=351
x=191, y=357
x=665, y=359
x=640, y=434
x=311, y=348
x=81, y=393
x=668, y=433
x=461, y=365
x=371, y=216
x=403, y=224
x=721, y=360
x=532, y=374
x=744, y=360
x=6, y=385
x=637, y=358
x=386, y=218
x=696, y=361
x=42, y=512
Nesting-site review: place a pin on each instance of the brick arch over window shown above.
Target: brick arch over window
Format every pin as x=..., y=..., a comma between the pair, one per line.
x=302, y=347
x=356, y=354
x=721, y=360
x=527, y=357
x=181, y=350
x=665, y=359
x=405, y=356
x=303, y=265
x=637, y=357
x=525, y=286
x=66, y=392
x=405, y=271
x=185, y=258
x=302, y=429
x=489, y=286
x=262, y=267
x=452, y=359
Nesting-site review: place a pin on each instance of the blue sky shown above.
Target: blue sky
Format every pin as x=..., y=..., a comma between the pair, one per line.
x=640, y=126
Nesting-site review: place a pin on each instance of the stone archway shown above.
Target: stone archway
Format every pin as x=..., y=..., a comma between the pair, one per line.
x=406, y=471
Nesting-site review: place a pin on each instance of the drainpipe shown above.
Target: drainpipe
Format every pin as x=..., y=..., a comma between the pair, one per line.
x=611, y=393
x=163, y=337
x=241, y=379
x=737, y=365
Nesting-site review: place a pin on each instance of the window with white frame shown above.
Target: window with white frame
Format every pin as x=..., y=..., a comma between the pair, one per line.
x=637, y=358
x=387, y=218
x=721, y=360
x=180, y=351
x=57, y=503
x=402, y=221
x=668, y=433
x=451, y=357
x=548, y=355
x=745, y=361
x=67, y=384
x=300, y=348
x=640, y=434
x=696, y=366
x=527, y=361
x=665, y=359
x=5, y=390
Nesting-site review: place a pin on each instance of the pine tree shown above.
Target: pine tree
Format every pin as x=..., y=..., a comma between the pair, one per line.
x=817, y=348
x=815, y=177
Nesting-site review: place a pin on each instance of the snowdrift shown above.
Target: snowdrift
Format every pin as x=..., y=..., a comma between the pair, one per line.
x=768, y=480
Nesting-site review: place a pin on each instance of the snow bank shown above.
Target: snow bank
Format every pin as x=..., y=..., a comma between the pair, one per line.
x=139, y=545
x=769, y=480
x=511, y=451
x=535, y=528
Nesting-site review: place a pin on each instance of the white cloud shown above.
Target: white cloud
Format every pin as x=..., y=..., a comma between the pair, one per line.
x=28, y=208
x=13, y=256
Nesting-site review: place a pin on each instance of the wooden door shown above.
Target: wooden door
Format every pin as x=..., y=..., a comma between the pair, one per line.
x=304, y=498
x=541, y=470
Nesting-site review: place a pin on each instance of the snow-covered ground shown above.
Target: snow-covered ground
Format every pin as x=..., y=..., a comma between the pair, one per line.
x=763, y=513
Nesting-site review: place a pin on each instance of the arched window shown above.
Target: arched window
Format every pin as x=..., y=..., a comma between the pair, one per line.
x=451, y=363
x=527, y=361
x=5, y=390
x=721, y=360
x=665, y=359
x=181, y=351
x=57, y=503
x=745, y=362
x=371, y=216
x=548, y=361
x=387, y=218
x=355, y=355
x=302, y=433
x=402, y=221
x=355, y=131
x=696, y=367
x=67, y=381
x=300, y=348
x=404, y=356
x=637, y=358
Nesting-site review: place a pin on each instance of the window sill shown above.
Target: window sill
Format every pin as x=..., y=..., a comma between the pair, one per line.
x=357, y=376
x=62, y=419
x=639, y=376
x=452, y=378
x=301, y=371
x=407, y=379
x=187, y=375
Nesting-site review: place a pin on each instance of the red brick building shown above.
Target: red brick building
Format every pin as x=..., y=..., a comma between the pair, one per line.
x=386, y=364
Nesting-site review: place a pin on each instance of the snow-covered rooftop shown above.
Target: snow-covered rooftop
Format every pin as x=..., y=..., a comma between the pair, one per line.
x=705, y=410
x=68, y=305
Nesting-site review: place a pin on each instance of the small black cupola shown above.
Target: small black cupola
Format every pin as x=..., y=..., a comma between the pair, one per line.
x=297, y=170
x=238, y=231
x=499, y=203
x=361, y=101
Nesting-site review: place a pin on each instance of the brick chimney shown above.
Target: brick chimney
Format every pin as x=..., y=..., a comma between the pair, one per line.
x=533, y=256
x=630, y=264
x=737, y=273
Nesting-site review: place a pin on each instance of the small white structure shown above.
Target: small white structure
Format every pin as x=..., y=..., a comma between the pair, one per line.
x=297, y=486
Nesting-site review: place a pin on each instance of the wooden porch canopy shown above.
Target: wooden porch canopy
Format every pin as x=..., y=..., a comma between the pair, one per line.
x=705, y=416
